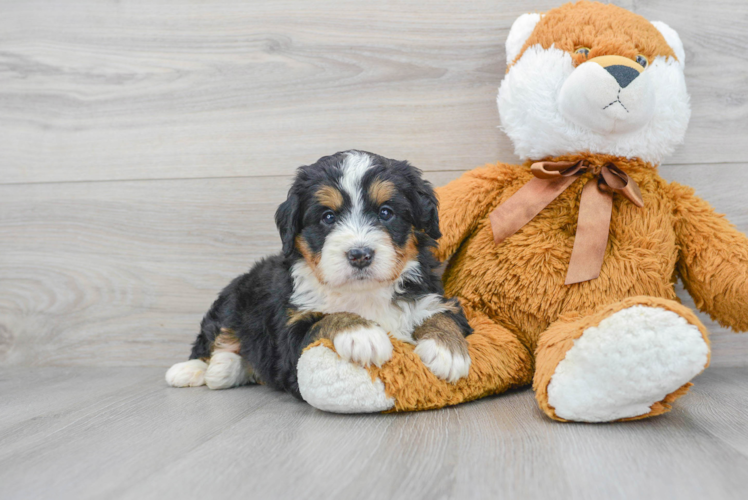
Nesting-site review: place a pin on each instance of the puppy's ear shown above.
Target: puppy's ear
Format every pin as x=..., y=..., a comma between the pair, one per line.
x=428, y=214
x=287, y=220
x=424, y=202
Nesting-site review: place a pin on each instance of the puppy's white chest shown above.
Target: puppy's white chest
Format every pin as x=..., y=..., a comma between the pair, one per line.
x=375, y=306
x=386, y=313
x=399, y=317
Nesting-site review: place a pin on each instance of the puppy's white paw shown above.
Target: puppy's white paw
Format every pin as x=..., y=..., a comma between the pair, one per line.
x=226, y=369
x=364, y=345
x=187, y=374
x=444, y=363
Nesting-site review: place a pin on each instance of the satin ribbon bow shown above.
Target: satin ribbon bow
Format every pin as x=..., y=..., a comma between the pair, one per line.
x=596, y=206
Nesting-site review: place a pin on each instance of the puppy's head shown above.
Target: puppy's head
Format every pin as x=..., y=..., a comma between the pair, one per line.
x=357, y=219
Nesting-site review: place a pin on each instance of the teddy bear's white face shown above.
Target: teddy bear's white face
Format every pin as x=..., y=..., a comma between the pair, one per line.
x=609, y=95
x=554, y=102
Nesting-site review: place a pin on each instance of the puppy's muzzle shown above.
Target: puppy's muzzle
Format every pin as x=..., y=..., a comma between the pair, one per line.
x=360, y=257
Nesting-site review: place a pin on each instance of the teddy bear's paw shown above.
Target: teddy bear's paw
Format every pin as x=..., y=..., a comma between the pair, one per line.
x=445, y=363
x=332, y=384
x=626, y=364
x=364, y=345
x=187, y=374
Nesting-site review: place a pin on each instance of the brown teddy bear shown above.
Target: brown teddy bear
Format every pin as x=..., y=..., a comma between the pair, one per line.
x=566, y=265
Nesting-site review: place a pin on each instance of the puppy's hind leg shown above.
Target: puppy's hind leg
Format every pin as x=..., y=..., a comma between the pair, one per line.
x=187, y=374
x=191, y=373
x=226, y=367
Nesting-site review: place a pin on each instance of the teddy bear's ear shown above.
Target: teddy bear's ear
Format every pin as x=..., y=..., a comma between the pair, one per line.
x=518, y=35
x=672, y=39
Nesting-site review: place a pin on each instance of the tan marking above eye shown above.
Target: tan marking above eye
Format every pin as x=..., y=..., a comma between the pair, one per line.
x=381, y=191
x=329, y=197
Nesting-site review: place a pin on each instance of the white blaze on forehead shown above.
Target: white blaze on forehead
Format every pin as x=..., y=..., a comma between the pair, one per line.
x=354, y=167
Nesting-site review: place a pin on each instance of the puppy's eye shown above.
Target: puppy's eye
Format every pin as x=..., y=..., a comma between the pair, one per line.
x=583, y=50
x=328, y=218
x=642, y=61
x=386, y=213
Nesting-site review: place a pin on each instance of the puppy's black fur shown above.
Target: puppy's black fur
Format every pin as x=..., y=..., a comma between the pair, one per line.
x=256, y=306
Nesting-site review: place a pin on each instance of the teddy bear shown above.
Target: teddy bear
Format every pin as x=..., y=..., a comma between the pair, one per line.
x=565, y=265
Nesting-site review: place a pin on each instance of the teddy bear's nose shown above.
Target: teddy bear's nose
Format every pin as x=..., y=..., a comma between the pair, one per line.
x=623, y=69
x=623, y=74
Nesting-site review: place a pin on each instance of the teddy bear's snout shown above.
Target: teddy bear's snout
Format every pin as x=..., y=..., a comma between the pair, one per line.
x=608, y=94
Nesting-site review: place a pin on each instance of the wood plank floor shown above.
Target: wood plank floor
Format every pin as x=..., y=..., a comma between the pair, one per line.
x=121, y=433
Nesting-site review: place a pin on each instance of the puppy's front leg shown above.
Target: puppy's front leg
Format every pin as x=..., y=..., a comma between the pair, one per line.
x=441, y=344
x=355, y=338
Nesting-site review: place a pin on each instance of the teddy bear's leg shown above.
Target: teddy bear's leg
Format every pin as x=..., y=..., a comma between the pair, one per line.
x=627, y=361
x=499, y=361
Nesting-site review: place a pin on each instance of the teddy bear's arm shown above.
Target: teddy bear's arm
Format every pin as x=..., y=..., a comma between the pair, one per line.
x=713, y=260
x=466, y=200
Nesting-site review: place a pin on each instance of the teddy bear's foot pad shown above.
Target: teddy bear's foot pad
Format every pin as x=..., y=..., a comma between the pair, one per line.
x=330, y=383
x=630, y=361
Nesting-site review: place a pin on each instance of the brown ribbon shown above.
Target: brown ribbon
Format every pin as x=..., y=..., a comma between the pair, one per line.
x=596, y=206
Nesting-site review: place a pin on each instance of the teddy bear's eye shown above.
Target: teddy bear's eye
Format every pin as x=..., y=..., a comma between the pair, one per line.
x=642, y=61
x=583, y=50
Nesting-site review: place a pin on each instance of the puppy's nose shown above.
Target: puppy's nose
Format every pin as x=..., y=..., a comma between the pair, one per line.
x=623, y=74
x=360, y=257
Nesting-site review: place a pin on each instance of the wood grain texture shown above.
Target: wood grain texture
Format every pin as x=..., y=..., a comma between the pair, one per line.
x=84, y=433
x=149, y=90
x=120, y=273
x=146, y=144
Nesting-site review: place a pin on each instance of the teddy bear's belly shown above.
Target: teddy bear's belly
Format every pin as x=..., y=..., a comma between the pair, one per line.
x=520, y=283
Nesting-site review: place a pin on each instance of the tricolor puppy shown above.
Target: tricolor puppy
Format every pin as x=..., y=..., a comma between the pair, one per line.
x=356, y=268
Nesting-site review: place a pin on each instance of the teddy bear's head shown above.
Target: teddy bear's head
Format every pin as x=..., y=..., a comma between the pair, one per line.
x=590, y=77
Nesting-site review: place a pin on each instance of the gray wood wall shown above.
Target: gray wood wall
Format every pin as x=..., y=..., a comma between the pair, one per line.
x=144, y=145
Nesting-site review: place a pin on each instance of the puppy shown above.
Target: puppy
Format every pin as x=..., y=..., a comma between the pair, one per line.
x=356, y=268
